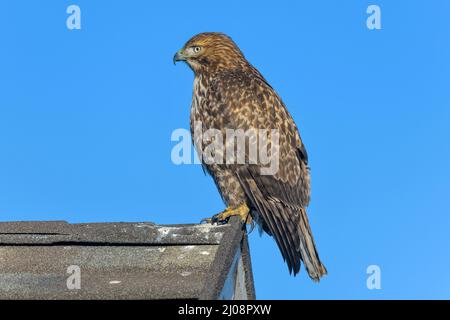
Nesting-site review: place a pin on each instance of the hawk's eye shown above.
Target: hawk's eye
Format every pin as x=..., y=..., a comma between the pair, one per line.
x=196, y=49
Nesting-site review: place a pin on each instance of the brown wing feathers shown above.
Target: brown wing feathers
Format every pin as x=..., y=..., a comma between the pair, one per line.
x=288, y=224
x=283, y=239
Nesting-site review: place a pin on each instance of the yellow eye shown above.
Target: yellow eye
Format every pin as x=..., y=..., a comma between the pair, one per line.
x=196, y=49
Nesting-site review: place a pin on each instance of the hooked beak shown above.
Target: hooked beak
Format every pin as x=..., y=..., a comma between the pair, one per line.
x=179, y=56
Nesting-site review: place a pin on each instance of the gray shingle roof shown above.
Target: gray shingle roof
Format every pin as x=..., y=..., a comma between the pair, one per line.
x=123, y=261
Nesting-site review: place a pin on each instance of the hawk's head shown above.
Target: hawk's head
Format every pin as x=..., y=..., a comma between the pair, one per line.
x=211, y=51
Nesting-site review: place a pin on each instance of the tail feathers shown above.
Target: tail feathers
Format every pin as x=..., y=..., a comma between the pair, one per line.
x=307, y=248
x=289, y=226
x=295, y=240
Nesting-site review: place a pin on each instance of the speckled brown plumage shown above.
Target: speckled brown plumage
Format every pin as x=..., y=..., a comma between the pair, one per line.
x=230, y=93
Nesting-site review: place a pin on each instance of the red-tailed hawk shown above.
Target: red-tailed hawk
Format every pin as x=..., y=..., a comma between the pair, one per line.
x=229, y=93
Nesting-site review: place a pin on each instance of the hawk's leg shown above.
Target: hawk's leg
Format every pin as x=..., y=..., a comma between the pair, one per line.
x=221, y=218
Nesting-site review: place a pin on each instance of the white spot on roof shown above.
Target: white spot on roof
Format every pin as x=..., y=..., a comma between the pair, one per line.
x=205, y=253
x=163, y=231
x=115, y=282
x=185, y=273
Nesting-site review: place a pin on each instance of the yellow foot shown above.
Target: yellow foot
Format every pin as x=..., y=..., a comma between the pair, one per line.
x=221, y=218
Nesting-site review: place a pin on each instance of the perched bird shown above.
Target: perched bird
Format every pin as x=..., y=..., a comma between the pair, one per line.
x=229, y=93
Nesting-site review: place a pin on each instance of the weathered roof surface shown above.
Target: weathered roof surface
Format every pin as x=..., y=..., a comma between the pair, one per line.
x=123, y=261
x=56, y=232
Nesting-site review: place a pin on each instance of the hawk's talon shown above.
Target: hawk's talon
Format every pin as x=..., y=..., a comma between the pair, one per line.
x=223, y=217
x=215, y=219
x=206, y=220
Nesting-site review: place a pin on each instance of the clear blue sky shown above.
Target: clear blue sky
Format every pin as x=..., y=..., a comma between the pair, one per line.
x=86, y=118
